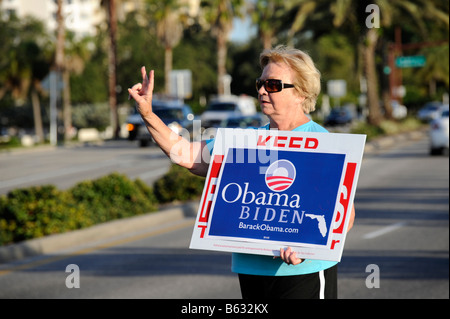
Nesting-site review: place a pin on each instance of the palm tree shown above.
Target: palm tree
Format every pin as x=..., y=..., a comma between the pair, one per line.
x=169, y=30
x=75, y=57
x=268, y=16
x=111, y=11
x=220, y=14
x=352, y=11
x=303, y=10
x=25, y=63
x=58, y=64
x=436, y=68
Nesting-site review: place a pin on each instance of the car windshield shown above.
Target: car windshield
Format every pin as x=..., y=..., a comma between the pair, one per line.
x=339, y=112
x=169, y=113
x=236, y=122
x=222, y=107
x=431, y=107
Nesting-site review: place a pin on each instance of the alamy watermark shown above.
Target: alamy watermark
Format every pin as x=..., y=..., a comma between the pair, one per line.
x=373, y=19
x=73, y=279
x=182, y=150
x=373, y=279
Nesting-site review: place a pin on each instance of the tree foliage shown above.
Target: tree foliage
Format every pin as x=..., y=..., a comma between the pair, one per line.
x=333, y=32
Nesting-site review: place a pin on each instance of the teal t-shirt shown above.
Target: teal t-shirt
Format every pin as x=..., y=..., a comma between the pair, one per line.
x=266, y=265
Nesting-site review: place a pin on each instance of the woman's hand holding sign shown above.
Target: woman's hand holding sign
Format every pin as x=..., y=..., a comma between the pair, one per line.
x=289, y=256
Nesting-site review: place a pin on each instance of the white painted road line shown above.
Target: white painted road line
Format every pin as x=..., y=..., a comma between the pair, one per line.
x=384, y=230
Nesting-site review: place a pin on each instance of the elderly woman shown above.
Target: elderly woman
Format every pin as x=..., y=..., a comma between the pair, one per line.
x=287, y=91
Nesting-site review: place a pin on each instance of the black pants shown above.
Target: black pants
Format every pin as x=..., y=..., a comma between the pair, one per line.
x=318, y=285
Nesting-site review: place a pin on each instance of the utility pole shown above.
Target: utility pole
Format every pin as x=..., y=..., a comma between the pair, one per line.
x=55, y=75
x=112, y=66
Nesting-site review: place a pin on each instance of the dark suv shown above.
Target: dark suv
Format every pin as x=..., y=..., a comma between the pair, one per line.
x=173, y=113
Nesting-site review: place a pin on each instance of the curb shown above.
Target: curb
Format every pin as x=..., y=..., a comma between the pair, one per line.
x=53, y=243
x=386, y=142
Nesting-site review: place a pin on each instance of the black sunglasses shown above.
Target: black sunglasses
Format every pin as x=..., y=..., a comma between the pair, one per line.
x=272, y=85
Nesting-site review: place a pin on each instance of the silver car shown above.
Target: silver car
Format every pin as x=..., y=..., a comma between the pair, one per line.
x=439, y=132
x=429, y=112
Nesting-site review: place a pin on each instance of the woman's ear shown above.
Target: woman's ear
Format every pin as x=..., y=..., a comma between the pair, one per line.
x=300, y=100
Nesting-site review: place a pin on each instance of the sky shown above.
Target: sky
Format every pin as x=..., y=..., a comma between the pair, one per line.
x=242, y=30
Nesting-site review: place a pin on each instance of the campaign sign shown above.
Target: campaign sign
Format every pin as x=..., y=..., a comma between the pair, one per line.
x=269, y=189
x=293, y=202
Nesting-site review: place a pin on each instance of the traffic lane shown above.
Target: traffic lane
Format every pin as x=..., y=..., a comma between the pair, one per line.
x=410, y=255
x=64, y=167
x=156, y=266
x=401, y=227
x=352, y=280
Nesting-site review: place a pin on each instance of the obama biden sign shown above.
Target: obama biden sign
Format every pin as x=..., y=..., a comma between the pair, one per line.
x=268, y=189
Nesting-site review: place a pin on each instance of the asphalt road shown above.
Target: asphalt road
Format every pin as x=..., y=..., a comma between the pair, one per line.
x=398, y=248
x=66, y=166
x=401, y=227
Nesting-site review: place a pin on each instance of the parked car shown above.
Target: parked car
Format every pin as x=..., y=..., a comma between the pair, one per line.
x=439, y=132
x=339, y=116
x=399, y=111
x=225, y=107
x=255, y=121
x=175, y=114
x=429, y=111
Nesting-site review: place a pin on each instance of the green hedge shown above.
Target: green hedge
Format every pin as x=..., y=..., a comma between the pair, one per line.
x=387, y=127
x=113, y=197
x=178, y=184
x=38, y=211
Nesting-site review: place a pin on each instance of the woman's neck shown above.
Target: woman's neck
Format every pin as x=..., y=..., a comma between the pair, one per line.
x=288, y=124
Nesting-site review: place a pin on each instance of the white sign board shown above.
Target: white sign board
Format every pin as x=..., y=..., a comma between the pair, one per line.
x=269, y=189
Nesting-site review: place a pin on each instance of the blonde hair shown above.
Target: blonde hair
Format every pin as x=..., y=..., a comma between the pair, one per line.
x=306, y=76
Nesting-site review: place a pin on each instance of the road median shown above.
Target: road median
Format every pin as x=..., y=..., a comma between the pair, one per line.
x=57, y=242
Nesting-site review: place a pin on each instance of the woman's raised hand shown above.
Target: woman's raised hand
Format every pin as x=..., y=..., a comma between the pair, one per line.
x=142, y=93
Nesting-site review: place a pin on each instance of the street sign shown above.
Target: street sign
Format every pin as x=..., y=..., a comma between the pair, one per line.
x=414, y=61
x=45, y=83
x=337, y=88
x=181, y=84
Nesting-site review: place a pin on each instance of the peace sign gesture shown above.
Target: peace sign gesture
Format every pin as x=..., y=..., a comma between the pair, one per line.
x=142, y=93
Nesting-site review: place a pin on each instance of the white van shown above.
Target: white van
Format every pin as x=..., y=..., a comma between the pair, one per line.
x=224, y=107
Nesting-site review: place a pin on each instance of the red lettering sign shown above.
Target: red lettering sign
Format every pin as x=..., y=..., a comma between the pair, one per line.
x=293, y=144
x=288, y=142
x=211, y=188
x=311, y=143
x=260, y=141
x=345, y=198
x=277, y=138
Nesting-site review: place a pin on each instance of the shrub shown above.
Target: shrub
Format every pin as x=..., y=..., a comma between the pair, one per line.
x=114, y=196
x=387, y=127
x=39, y=211
x=36, y=212
x=178, y=184
x=370, y=130
x=91, y=115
